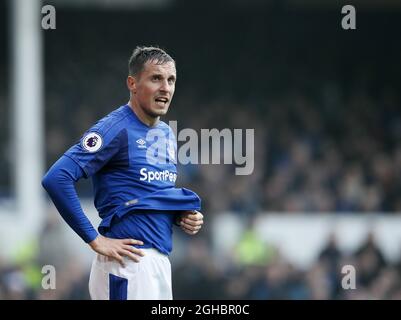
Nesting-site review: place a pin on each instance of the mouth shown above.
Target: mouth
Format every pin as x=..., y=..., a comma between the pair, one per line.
x=162, y=101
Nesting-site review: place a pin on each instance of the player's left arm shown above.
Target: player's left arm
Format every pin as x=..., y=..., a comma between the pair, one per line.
x=191, y=221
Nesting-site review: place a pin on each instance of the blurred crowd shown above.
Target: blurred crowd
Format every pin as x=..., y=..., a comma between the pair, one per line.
x=323, y=154
x=254, y=270
x=327, y=131
x=328, y=153
x=269, y=275
x=327, y=139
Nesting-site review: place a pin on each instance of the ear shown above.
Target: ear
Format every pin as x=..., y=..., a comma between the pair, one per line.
x=131, y=84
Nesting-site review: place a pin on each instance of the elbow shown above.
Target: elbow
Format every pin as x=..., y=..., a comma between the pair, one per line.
x=50, y=179
x=46, y=181
x=60, y=174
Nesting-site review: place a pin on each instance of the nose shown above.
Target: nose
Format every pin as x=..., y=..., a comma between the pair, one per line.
x=165, y=87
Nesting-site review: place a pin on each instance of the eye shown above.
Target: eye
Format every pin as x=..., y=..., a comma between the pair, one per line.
x=171, y=80
x=156, y=78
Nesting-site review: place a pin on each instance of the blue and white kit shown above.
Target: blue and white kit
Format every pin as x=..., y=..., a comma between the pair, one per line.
x=133, y=170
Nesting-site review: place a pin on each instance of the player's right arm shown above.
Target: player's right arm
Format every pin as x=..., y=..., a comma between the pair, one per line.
x=59, y=183
x=95, y=149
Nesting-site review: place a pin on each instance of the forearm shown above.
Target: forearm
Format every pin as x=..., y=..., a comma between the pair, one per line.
x=59, y=183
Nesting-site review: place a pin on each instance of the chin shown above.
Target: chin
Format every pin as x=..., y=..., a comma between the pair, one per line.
x=160, y=112
x=156, y=113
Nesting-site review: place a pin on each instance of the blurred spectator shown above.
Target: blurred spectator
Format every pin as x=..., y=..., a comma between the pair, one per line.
x=370, y=261
x=327, y=139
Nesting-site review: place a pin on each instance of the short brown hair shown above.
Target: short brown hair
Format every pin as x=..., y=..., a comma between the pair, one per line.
x=141, y=55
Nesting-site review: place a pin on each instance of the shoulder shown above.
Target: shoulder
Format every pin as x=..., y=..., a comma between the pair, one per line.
x=105, y=131
x=165, y=127
x=112, y=123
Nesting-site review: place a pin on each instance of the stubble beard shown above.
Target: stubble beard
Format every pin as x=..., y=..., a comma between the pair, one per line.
x=153, y=114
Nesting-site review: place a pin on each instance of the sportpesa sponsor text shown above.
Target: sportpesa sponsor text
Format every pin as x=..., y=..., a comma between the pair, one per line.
x=164, y=175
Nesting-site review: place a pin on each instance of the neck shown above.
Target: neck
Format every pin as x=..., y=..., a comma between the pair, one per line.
x=142, y=116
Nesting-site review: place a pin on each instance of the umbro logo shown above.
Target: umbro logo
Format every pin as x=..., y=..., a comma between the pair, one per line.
x=141, y=143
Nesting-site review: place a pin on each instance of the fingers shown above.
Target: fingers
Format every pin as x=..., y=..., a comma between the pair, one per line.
x=134, y=250
x=190, y=232
x=191, y=226
x=131, y=252
x=130, y=255
x=116, y=249
x=189, y=229
x=127, y=251
x=193, y=218
x=119, y=258
x=132, y=241
x=190, y=222
x=195, y=215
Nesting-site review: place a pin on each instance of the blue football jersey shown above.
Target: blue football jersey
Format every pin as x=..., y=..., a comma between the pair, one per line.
x=133, y=170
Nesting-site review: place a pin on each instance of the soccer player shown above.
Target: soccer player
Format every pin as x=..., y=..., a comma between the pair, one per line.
x=131, y=157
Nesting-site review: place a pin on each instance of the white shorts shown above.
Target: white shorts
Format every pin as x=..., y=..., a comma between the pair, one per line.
x=149, y=279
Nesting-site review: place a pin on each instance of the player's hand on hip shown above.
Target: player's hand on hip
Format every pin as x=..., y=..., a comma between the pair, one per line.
x=117, y=248
x=191, y=222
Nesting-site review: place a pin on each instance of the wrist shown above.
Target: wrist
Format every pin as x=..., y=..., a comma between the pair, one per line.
x=95, y=242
